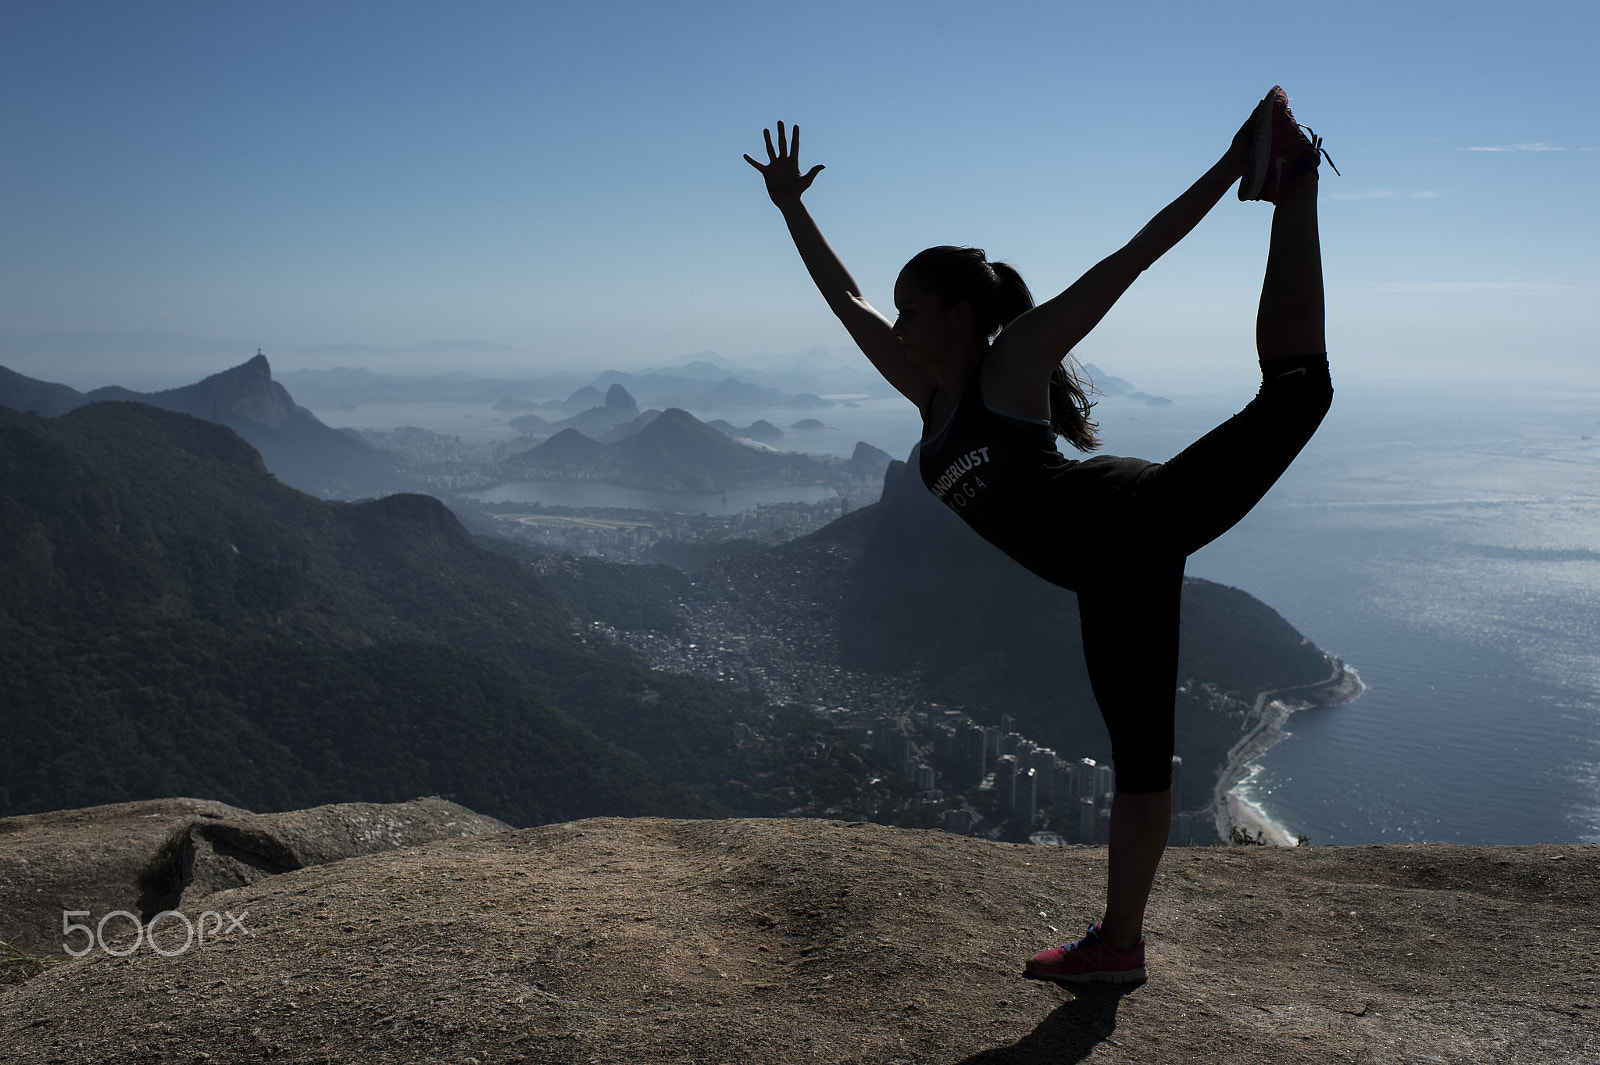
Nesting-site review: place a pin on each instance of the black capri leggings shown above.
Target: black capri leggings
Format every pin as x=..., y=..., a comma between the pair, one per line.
x=1130, y=617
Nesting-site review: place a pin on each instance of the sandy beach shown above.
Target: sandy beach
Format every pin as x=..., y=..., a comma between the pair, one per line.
x=1253, y=821
x=1264, y=728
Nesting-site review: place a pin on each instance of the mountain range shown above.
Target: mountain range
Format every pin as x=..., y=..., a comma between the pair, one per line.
x=594, y=442
x=674, y=451
x=703, y=382
x=296, y=445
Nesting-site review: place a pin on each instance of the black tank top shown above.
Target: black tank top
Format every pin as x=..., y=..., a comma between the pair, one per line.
x=1004, y=477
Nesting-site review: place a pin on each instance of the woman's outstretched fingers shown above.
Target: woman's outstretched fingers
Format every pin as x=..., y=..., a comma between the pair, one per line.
x=772, y=156
x=785, y=183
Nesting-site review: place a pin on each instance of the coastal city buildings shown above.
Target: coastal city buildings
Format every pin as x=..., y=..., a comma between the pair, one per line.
x=1025, y=790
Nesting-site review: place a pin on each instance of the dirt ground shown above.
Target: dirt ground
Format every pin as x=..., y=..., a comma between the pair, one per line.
x=646, y=940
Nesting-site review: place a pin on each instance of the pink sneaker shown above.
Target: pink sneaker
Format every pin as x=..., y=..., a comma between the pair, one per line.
x=1089, y=959
x=1280, y=150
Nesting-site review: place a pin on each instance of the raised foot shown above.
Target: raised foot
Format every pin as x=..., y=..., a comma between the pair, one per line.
x=1280, y=150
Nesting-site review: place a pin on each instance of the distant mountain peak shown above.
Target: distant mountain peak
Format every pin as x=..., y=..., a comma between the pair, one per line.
x=674, y=449
x=621, y=402
x=583, y=399
x=245, y=392
x=296, y=446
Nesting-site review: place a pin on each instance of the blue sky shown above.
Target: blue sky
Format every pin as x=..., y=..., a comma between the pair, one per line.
x=184, y=183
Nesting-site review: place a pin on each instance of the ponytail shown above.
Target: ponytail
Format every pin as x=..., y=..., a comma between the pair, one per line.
x=1011, y=296
x=1069, y=409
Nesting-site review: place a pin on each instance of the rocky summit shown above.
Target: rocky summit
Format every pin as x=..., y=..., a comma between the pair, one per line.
x=649, y=940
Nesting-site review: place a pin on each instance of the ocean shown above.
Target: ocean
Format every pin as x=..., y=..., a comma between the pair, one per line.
x=1447, y=544
x=1443, y=541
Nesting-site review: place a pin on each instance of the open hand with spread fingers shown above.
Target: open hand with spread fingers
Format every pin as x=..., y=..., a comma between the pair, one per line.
x=785, y=183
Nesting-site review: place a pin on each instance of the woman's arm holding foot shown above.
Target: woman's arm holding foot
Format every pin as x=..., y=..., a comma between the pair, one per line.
x=1044, y=335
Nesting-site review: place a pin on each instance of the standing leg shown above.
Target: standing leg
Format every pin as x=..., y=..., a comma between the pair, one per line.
x=1139, y=824
x=1130, y=645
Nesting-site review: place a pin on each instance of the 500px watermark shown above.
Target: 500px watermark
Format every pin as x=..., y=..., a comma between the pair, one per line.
x=210, y=925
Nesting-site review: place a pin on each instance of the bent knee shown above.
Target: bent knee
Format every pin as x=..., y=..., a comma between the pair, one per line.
x=1302, y=385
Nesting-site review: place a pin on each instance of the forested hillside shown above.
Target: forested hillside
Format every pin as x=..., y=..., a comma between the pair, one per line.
x=177, y=622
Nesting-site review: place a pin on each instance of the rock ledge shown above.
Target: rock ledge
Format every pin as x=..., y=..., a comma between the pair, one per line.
x=646, y=940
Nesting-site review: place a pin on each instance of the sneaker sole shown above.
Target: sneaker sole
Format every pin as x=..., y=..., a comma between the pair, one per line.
x=1120, y=976
x=1258, y=163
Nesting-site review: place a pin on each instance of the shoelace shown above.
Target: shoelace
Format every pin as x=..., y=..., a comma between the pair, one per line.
x=1092, y=938
x=1316, y=144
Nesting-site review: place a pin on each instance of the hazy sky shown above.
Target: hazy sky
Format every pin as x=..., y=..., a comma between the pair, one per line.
x=565, y=179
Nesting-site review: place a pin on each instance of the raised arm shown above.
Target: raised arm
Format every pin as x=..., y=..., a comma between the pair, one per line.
x=870, y=330
x=1043, y=336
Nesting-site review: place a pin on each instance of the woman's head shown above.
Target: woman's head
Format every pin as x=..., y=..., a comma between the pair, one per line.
x=995, y=291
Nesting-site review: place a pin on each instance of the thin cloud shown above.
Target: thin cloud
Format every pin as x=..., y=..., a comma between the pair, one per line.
x=1508, y=288
x=1385, y=194
x=1534, y=146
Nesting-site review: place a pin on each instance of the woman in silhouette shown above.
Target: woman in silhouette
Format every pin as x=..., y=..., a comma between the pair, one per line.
x=985, y=366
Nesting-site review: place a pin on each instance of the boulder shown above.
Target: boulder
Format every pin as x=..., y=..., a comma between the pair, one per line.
x=145, y=857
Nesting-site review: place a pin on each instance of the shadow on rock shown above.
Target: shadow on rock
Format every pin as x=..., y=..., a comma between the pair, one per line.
x=1068, y=1034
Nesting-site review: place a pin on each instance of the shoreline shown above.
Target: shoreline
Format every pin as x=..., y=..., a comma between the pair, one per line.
x=1252, y=819
x=1271, y=713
